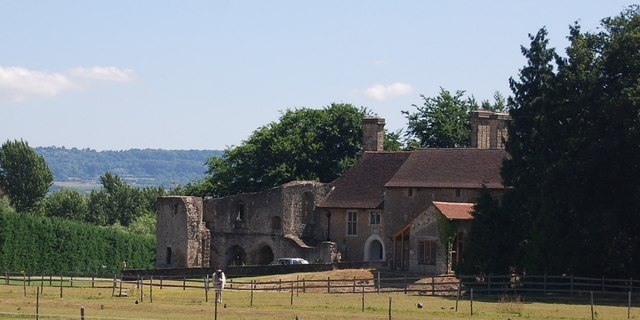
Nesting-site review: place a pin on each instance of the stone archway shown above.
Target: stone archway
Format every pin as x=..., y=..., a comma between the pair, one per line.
x=264, y=255
x=235, y=256
x=374, y=249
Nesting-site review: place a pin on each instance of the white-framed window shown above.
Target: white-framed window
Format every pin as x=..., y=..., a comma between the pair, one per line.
x=374, y=218
x=352, y=223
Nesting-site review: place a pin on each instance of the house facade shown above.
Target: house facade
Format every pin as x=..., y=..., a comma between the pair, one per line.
x=390, y=207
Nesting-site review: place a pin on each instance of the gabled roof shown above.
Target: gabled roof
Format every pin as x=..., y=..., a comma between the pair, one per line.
x=455, y=210
x=362, y=186
x=451, y=168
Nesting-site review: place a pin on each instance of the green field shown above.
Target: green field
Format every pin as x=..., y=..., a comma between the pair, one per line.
x=176, y=303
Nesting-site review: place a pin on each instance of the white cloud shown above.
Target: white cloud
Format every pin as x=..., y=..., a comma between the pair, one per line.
x=382, y=92
x=103, y=73
x=18, y=84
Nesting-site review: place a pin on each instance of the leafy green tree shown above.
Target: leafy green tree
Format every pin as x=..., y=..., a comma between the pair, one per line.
x=68, y=204
x=116, y=202
x=442, y=121
x=24, y=175
x=574, y=154
x=393, y=141
x=305, y=144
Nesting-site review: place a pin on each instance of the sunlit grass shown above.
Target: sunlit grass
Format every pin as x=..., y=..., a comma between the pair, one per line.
x=176, y=303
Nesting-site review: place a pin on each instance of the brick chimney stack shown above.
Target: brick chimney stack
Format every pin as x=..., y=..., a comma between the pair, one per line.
x=373, y=134
x=488, y=129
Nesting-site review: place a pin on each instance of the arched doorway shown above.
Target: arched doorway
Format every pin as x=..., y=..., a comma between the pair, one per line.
x=264, y=255
x=373, y=249
x=236, y=256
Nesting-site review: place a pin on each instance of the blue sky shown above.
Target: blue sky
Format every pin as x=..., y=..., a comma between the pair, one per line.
x=115, y=75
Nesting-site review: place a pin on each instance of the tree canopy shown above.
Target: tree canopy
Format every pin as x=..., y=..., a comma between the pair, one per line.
x=443, y=121
x=574, y=154
x=305, y=144
x=24, y=175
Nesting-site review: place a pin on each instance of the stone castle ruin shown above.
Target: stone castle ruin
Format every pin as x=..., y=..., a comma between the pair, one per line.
x=365, y=215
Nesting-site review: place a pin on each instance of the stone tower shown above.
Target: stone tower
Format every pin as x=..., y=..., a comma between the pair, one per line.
x=373, y=134
x=488, y=129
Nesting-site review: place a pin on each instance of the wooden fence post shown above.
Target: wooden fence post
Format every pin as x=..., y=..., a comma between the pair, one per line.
x=120, y=293
x=389, y=307
x=297, y=286
x=433, y=285
x=304, y=286
x=379, y=282
x=141, y=288
x=160, y=282
x=24, y=285
x=592, y=316
x=151, y=290
x=571, y=288
x=405, y=284
x=472, y=301
x=93, y=281
x=279, y=285
x=81, y=312
x=458, y=295
x=37, y=303
x=60, y=286
x=328, y=284
x=184, y=283
x=354, y=284
x=252, y=287
x=113, y=287
x=629, y=307
x=71, y=282
x=362, y=297
x=206, y=288
x=291, y=292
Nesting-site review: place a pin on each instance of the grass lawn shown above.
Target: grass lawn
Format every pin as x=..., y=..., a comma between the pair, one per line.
x=176, y=303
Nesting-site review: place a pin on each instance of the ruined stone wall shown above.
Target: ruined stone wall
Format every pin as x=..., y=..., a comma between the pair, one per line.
x=255, y=228
x=181, y=237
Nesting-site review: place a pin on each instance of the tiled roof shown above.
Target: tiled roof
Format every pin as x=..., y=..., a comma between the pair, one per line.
x=451, y=168
x=362, y=186
x=455, y=210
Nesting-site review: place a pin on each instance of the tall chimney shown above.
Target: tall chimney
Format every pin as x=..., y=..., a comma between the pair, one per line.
x=373, y=134
x=488, y=129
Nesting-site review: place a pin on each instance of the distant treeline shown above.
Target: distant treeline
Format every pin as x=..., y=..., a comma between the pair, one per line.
x=42, y=245
x=146, y=167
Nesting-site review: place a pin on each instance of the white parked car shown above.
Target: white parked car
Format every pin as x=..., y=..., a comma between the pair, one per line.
x=289, y=261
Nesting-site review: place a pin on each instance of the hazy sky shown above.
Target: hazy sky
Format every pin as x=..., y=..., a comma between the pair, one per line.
x=115, y=75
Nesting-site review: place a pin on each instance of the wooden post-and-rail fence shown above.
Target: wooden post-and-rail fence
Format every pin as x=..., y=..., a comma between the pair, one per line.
x=564, y=285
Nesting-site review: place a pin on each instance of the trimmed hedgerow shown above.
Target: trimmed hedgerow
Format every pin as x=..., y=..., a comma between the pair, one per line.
x=43, y=245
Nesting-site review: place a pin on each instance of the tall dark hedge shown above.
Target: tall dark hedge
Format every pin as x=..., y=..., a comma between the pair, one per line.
x=42, y=245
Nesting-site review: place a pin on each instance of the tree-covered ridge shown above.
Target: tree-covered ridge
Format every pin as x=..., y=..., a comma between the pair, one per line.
x=143, y=167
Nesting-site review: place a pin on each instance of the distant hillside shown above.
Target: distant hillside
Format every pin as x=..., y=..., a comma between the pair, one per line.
x=82, y=168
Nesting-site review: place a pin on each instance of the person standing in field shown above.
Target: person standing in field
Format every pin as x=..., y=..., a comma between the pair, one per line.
x=219, y=282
